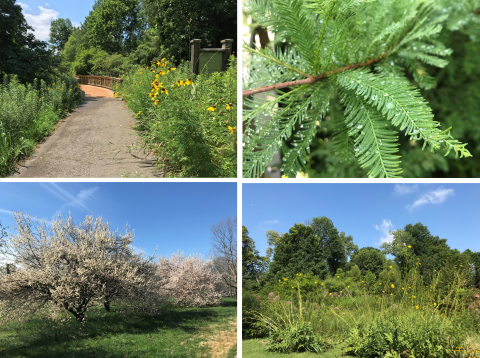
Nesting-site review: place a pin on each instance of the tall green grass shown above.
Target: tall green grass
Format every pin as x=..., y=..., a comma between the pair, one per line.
x=190, y=126
x=28, y=113
x=403, y=319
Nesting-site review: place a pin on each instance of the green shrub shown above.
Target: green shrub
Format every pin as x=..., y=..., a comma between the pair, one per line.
x=412, y=333
x=252, y=326
x=299, y=338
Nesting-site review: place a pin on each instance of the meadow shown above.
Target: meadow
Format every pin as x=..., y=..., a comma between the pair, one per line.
x=188, y=122
x=393, y=315
x=176, y=332
x=29, y=112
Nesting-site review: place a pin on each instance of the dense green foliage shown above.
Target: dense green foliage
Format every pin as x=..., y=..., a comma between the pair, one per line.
x=29, y=112
x=187, y=121
x=424, y=302
x=363, y=98
x=21, y=54
x=175, y=23
x=117, y=36
x=253, y=265
x=369, y=259
x=60, y=31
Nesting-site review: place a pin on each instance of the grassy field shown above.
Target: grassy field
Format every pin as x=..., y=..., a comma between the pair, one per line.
x=399, y=318
x=177, y=332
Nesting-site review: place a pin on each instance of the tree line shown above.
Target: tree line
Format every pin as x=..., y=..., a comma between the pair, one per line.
x=318, y=249
x=115, y=37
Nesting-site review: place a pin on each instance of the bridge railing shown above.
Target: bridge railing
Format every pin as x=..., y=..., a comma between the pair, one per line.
x=100, y=81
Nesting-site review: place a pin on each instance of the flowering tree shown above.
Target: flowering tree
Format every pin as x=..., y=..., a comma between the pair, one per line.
x=69, y=267
x=192, y=280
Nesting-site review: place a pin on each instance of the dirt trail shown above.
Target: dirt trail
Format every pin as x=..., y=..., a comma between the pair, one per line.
x=95, y=141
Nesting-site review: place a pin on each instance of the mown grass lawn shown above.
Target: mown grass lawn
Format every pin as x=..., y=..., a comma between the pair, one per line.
x=177, y=332
x=256, y=348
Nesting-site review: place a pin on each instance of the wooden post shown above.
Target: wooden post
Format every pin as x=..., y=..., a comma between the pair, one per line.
x=227, y=46
x=195, y=51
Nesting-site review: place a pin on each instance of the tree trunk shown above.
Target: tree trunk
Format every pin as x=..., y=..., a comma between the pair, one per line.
x=106, y=304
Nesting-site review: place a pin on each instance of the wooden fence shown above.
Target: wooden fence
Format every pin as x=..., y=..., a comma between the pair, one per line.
x=209, y=59
x=100, y=81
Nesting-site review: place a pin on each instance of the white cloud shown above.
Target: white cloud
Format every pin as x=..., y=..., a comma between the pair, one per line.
x=24, y=6
x=269, y=222
x=76, y=24
x=41, y=21
x=78, y=201
x=385, y=229
x=432, y=197
x=6, y=211
x=405, y=189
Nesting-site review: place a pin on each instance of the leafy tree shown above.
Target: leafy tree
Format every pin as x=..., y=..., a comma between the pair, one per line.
x=70, y=268
x=473, y=260
x=325, y=56
x=85, y=61
x=273, y=237
x=350, y=248
x=60, y=31
x=355, y=273
x=299, y=251
x=22, y=54
x=73, y=45
x=253, y=265
x=369, y=259
x=115, y=26
x=178, y=22
x=332, y=243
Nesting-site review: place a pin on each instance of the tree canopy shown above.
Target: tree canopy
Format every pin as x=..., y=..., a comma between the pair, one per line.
x=21, y=53
x=299, y=251
x=60, y=31
x=253, y=265
x=369, y=259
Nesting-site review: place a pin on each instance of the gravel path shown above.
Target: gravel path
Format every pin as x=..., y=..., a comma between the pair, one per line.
x=95, y=141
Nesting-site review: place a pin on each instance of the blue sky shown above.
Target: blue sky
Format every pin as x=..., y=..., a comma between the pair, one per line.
x=366, y=211
x=174, y=216
x=39, y=14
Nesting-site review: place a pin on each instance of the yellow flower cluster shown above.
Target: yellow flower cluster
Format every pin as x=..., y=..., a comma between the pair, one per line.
x=184, y=83
x=157, y=86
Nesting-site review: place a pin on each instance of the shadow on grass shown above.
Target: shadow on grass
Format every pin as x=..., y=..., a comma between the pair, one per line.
x=40, y=338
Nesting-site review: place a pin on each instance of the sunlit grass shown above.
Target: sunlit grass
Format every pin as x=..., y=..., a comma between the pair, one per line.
x=177, y=332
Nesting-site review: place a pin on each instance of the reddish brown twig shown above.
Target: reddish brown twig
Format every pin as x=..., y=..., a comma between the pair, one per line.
x=311, y=80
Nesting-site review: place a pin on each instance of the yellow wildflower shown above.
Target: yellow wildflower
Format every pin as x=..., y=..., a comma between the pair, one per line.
x=230, y=106
x=231, y=130
x=138, y=113
x=212, y=108
x=188, y=82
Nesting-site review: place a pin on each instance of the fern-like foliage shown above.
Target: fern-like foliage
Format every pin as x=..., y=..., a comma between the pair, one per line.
x=372, y=54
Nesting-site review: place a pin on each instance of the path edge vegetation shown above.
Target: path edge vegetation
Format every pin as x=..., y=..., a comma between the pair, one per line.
x=187, y=121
